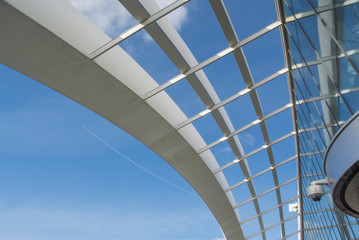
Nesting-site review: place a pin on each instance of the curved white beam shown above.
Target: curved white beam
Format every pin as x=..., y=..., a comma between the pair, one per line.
x=50, y=41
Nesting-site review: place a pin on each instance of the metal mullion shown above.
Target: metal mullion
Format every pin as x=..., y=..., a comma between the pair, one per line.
x=311, y=115
x=316, y=84
x=265, y=192
x=311, y=206
x=253, y=152
x=326, y=59
x=318, y=56
x=335, y=95
x=312, y=175
x=131, y=31
x=260, y=173
x=320, y=10
x=321, y=127
x=314, y=165
x=270, y=209
x=346, y=224
x=322, y=210
x=312, y=153
x=284, y=38
x=315, y=206
x=210, y=60
x=270, y=227
x=306, y=133
x=339, y=45
x=316, y=220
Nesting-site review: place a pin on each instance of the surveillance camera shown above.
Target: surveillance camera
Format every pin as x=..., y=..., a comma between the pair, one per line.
x=315, y=192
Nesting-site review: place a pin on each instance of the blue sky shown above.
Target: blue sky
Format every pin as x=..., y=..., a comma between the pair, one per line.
x=59, y=180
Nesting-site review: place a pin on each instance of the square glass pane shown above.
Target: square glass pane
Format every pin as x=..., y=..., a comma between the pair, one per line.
x=284, y=150
x=190, y=103
x=225, y=77
x=203, y=41
x=280, y=124
x=245, y=16
x=289, y=191
x=274, y=95
x=208, y=128
x=291, y=226
x=274, y=233
x=233, y=174
x=270, y=218
x=251, y=227
x=268, y=46
x=258, y=162
x=268, y=200
x=246, y=211
x=287, y=171
x=263, y=182
x=223, y=153
x=241, y=193
x=145, y=51
x=241, y=111
x=251, y=139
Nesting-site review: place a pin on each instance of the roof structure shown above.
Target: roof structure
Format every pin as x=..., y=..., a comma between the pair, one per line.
x=223, y=98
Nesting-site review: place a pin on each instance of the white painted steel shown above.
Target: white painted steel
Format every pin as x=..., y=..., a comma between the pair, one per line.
x=37, y=40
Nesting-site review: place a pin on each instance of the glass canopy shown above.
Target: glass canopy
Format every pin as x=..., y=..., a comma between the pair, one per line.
x=267, y=84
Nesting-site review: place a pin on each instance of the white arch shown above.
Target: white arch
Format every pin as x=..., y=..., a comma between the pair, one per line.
x=50, y=41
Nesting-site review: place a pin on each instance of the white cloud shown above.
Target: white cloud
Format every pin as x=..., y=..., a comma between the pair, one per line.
x=113, y=18
x=109, y=15
x=177, y=17
x=247, y=138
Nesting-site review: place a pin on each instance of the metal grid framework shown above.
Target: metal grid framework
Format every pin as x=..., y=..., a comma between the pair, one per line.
x=148, y=15
x=308, y=113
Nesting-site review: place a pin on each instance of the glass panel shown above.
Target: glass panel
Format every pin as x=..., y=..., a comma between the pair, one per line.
x=208, y=128
x=245, y=17
x=143, y=49
x=241, y=111
x=283, y=150
x=225, y=77
x=247, y=210
x=258, y=162
x=257, y=52
x=291, y=226
x=233, y=174
x=286, y=171
x=274, y=233
x=251, y=227
x=289, y=191
x=190, y=103
x=263, y=182
x=347, y=25
x=223, y=153
x=241, y=193
x=109, y=15
x=203, y=41
x=280, y=124
x=267, y=201
x=296, y=6
x=271, y=218
x=251, y=139
x=274, y=95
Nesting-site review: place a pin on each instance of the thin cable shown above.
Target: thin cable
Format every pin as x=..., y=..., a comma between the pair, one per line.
x=138, y=165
